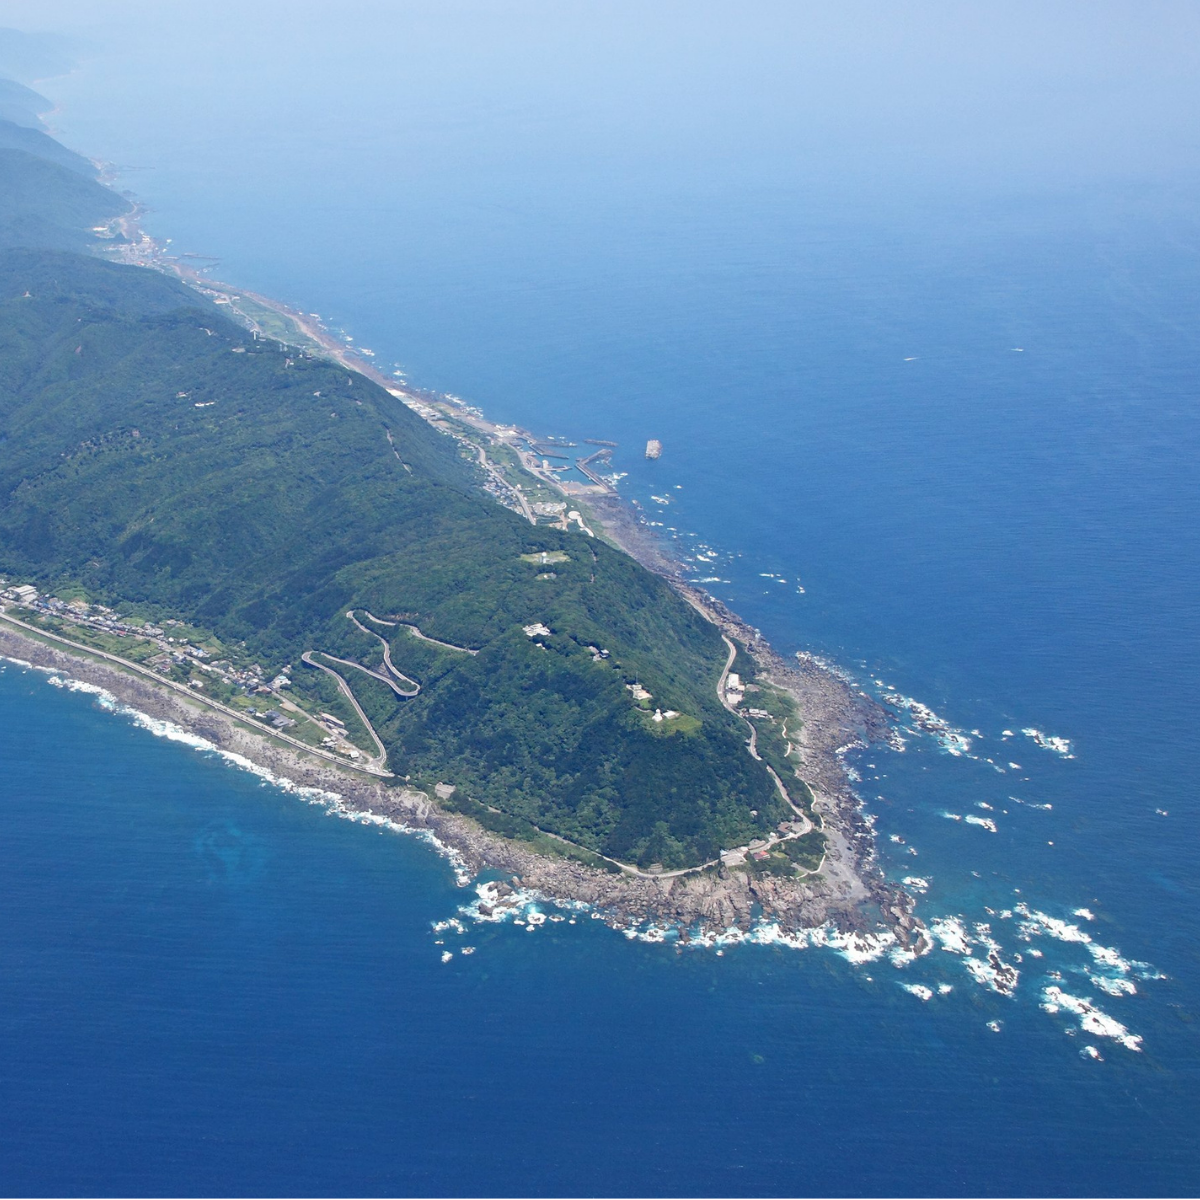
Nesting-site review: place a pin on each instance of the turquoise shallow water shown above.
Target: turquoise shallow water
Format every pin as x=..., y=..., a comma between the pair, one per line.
x=949, y=392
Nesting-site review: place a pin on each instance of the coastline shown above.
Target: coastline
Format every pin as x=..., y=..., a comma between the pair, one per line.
x=706, y=904
x=848, y=889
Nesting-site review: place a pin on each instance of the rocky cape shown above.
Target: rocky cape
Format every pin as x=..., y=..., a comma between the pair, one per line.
x=849, y=892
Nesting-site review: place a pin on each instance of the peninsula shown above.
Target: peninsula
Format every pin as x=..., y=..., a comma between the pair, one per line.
x=219, y=511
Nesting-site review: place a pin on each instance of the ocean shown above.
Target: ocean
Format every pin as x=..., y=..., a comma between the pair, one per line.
x=913, y=309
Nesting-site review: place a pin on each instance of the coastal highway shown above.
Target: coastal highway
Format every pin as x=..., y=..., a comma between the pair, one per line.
x=194, y=696
x=752, y=745
x=498, y=477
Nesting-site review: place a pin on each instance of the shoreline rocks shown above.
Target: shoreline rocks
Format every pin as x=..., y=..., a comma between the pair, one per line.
x=850, y=891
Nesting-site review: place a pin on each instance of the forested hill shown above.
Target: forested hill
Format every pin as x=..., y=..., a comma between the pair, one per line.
x=153, y=453
x=45, y=204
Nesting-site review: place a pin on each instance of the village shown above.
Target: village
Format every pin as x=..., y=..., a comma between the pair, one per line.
x=177, y=656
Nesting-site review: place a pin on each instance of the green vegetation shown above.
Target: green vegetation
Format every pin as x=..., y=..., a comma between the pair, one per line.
x=46, y=205
x=546, y=557
x=154, y=455
x=21, y=105
x=775, y=729
x=807, y=851
x=41, y=145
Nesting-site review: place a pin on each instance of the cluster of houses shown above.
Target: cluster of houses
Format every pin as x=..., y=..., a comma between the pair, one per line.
x=177, y=651
x=171, y=650
x=735, y=693
x=640, y=694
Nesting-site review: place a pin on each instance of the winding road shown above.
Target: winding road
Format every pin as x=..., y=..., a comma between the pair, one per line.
x=414, y=631
x=395, y=680
x=193, y=696
x=387, y=658
x=380, y=760
x=752, y=745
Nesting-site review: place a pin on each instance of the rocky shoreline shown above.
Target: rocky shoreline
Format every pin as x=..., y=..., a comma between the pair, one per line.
x=850, y=892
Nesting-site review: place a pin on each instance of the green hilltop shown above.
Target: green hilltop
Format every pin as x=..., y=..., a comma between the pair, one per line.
x=155, y=454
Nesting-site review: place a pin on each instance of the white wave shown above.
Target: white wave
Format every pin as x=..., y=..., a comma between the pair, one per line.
x=916, y=883
x=1114, y=978
x=994, y=972
x=952, y=816
x=106, y=698
x=496, y=903
x=1092, y=1053
x=1091, y=1019
x=983, y=822
x=1031, y=804
x=857, y=948
x=1046, y=741
x=333, y=802
x=922, y=993
x=1036, y=923
x=950, y=935
x=1085, y=913
x=951, y=739
x=27, y=666
x=854, y=947
x=1114, y=987
x=981, y=972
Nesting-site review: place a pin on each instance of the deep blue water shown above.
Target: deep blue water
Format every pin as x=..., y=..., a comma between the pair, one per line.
x=929, y=353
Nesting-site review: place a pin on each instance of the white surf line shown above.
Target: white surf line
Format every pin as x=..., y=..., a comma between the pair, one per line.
x=176, y=733
x=192, y=695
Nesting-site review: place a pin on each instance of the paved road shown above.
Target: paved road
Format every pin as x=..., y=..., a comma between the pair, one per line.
x=415, y=632
x=193, y=695
x=753, y=743
x=387, y=658
x=498, y=476
x=380, y=760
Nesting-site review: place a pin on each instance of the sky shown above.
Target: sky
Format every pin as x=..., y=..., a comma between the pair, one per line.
x=877, y=100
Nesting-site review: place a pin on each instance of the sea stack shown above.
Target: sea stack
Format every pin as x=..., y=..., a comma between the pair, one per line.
x=653, y=448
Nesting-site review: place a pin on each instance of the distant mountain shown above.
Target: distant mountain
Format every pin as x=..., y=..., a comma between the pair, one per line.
x=32, y=56
x=22, y=105
x=44, y=204
x=42, y=145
